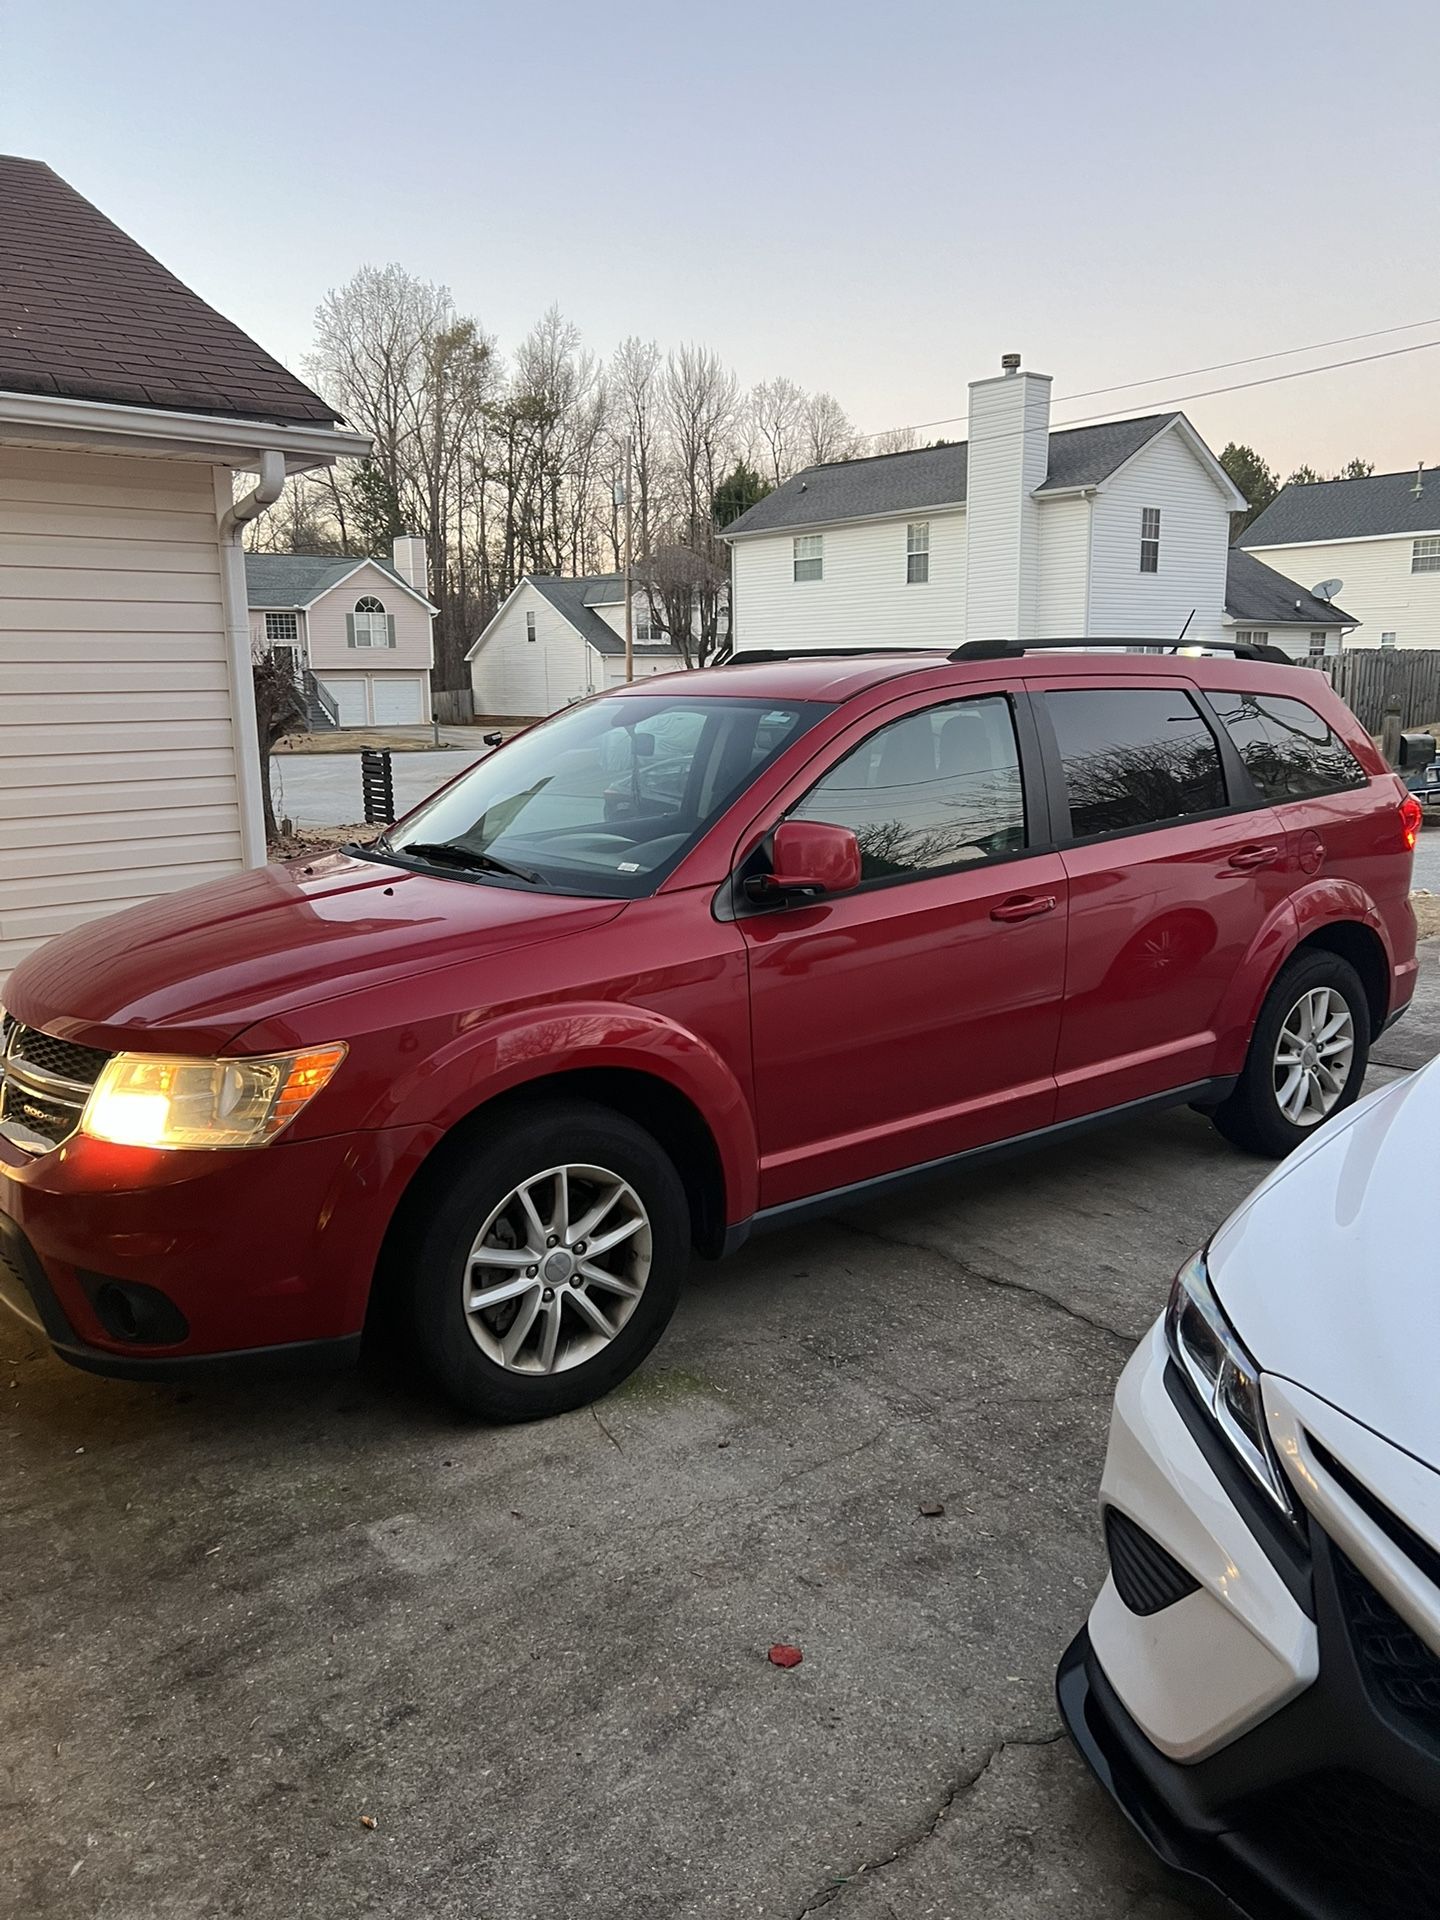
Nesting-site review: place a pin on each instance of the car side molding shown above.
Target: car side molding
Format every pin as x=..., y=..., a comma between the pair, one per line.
x=793, y=1213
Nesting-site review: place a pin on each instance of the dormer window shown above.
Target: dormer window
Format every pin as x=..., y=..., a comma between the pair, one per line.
x=370, y=625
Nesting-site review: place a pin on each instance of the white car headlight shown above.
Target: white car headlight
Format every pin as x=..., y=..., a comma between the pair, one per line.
x=1225, y=1379
x=153, y=1100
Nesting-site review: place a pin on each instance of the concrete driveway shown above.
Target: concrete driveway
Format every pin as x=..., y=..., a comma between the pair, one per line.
x=235, y=1623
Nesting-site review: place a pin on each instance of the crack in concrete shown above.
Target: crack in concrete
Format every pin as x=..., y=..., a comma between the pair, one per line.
x=966, y=1784
x=1127, y=1340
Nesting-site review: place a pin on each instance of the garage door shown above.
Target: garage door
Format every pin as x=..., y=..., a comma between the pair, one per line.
x=397, y=703
x=349, y=696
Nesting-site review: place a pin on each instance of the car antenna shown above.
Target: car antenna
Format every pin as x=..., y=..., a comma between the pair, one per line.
x=1183, y=631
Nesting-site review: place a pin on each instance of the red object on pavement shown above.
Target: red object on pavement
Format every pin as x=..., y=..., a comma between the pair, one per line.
x=782, y=1656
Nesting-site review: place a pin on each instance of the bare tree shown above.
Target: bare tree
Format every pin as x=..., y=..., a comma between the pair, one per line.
x=829, y=434
x=279, y=709
x=892, y=440
x=777, y=424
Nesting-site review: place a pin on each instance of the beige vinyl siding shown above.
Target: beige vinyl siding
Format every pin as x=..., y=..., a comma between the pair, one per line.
x=1064, y=583
x=863, y=598
x=328, y=638
x=1194, y=539
x=117, y=769
x=1377, y=587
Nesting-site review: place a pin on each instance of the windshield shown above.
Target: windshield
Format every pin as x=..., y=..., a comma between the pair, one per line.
x=603, y=799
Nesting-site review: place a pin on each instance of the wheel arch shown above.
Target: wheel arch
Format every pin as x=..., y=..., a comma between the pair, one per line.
x=1330, y=917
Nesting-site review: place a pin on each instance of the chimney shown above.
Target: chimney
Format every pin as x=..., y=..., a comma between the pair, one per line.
x=1008, y=458
x=410, y=564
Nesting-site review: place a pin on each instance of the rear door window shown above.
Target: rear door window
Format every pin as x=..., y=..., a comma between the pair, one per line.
x=1289, y=751
x=937, y=790
x=1134, y=757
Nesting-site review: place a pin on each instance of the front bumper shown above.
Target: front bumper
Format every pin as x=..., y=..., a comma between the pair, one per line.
x=1323, y=1797
x=258, y=1258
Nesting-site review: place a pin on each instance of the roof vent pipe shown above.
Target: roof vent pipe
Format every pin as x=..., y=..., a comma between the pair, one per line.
x=1009, y=363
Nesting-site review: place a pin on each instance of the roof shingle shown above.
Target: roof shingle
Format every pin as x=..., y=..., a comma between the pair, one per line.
x=87, y=313
x=297, y=579
x=931, y=477
x=1261, y=597
x=1347, y=510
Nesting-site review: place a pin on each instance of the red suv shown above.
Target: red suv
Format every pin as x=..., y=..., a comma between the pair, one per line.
x=689, y=960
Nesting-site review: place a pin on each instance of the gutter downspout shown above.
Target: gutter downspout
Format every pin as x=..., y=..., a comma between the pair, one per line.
x=231, y=517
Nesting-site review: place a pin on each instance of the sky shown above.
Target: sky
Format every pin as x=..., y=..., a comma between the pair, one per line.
x=877, y=200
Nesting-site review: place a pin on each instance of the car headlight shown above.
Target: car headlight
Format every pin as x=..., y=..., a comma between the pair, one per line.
x=1223, y=1376
x=151, y=1100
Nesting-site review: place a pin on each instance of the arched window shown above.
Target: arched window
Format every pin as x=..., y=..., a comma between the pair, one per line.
x=370, y=624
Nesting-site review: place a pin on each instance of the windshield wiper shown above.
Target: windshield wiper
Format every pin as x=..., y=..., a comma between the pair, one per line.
x=459, y=856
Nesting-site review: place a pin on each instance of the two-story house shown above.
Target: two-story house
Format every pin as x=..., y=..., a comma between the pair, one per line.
x=555, y=639
x=1118, y=531
x=358, y=633
x=1375, y=540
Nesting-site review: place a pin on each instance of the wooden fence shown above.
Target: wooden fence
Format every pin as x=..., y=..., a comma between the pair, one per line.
x=1366, y=678
x=454, y=708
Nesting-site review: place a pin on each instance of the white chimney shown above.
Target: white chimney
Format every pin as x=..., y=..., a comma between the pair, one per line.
x=1009, y=456
x=410, y=563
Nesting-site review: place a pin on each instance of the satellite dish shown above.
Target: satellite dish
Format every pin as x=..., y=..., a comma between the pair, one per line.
x=1328, y=589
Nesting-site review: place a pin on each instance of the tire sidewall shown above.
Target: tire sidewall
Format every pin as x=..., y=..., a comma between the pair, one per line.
x=1277, y=1134
x=467, y=1190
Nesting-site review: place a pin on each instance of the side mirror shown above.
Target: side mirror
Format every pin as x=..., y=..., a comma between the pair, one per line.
x=493, y=739
x=811, y=856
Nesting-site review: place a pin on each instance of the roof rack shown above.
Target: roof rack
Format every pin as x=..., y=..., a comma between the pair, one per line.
x=757, y=656
x=1014, y=649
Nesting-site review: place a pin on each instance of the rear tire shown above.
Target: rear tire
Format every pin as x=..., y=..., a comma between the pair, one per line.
x=1307, y=1058
x=601, y=1209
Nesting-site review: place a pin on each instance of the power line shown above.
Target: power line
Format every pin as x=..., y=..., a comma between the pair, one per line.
x=1182, y=400
x=1295, y=373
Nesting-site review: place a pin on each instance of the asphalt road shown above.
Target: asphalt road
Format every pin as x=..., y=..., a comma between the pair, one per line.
x=236, y=1622
x=1427, y=855
x=323, y=789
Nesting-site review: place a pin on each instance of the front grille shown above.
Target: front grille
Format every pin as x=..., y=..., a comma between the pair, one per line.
x=1398, y=1666
x=44, y=1084
x=1346, y=1845
x=1146, y=1577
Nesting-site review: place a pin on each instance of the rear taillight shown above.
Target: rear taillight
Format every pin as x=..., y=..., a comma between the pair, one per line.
x=1412, y=817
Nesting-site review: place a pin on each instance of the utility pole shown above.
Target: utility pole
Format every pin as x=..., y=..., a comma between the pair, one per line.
x=629, y=563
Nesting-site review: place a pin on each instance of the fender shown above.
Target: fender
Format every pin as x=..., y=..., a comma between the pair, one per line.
x=515, y=1049
x=1320, y=902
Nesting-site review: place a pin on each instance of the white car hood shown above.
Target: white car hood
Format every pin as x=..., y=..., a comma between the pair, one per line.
x=1330, y=1273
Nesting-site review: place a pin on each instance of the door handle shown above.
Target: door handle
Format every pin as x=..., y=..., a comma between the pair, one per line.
x=1024, y=906
x=1245, y=859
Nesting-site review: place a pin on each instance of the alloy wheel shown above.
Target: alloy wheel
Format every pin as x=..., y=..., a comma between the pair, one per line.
x=1313, y=1056
x=557, y=1269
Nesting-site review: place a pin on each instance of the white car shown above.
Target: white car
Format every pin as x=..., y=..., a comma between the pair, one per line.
x=1258, y=1685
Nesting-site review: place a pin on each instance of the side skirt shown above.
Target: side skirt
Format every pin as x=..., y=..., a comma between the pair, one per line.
x=1207, y=1093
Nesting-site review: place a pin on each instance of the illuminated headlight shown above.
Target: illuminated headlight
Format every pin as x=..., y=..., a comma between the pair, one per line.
x=1225, y=1379
x=150, y=1100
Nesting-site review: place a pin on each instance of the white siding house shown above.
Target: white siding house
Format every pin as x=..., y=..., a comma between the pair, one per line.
x=1379, y=537
x=1118, y=530
x=556, y=640
x=128, y=762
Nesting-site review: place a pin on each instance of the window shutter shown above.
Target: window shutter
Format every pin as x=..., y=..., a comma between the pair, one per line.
x=389, y=629
x=350, y=630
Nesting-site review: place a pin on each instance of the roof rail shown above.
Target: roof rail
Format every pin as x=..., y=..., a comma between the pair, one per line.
x=757, y=656
x=1014, y=649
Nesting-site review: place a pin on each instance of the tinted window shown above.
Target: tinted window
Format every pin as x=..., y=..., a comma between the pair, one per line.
x=606, y=797
x=1134, y=757
x=1288, y=750
x=936, y=789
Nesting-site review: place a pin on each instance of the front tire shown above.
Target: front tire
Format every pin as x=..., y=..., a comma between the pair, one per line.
x=1307, y=1058
x=550, y=1264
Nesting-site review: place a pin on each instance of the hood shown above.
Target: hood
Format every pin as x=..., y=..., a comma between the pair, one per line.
x=193, y=969
x=1329, y=1275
